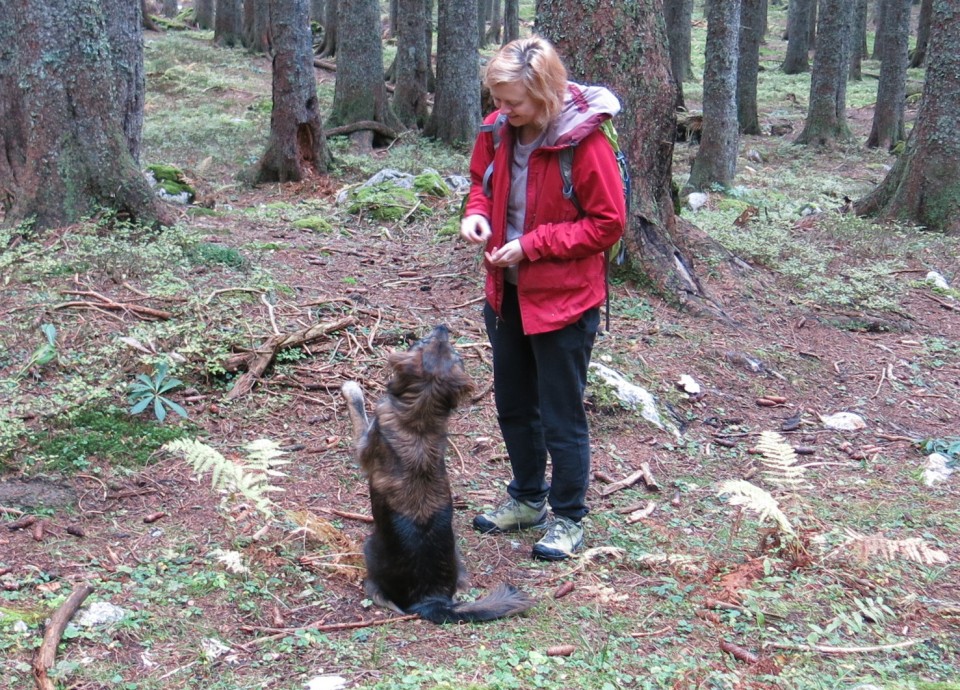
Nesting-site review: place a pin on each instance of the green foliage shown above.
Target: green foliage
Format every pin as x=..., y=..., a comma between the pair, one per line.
x=45, y=353
x=148, y=391
x=248, y=478
x=316, y=223
x=210, y=254
x=948, y=447
x=70, y=443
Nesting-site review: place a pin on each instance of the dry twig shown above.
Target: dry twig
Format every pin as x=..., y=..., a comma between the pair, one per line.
x=46, y=653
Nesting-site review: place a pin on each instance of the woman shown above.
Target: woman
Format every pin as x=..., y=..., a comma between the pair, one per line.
x=546, y=279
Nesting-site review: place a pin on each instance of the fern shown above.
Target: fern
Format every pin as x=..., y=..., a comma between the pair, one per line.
x=248, y=478
x=779, y=460
x=743, y=493
x=866, y=546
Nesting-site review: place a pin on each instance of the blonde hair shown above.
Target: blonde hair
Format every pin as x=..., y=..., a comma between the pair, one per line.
x=532, y=62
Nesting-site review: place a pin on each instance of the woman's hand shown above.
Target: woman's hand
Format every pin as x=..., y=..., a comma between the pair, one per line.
x=475, y=229
x=509, y=254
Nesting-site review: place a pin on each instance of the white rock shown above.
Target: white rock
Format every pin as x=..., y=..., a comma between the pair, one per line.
x=937, y=280
x=697, y=200
x=327, y=683
x=100, y=613
x=688, y=384
x=936, y=470
x=213, y=648
x=844, y=421
x=21, y=627
x=633, y=396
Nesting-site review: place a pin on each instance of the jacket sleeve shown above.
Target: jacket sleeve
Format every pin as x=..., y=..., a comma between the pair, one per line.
x=479, y=203
x=599, y=190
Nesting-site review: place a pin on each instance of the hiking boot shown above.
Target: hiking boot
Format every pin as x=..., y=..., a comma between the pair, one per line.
x=512, y=516
x=564, y=538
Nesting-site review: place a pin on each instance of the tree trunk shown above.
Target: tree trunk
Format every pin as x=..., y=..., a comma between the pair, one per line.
x=797, y=60
x=169, y=8
x=880, y=18
x=456, y=110
x=318, y=11
x=483, y=7
x=511, y=21
x=888, y=126
x=752, y=20
x=228, y=23
x=919, y=54
x=71, y=112
x=812, y=23
x=716, y=161
x=412, y=64
x=203, y=13
x=256, y=25
x=328, y=48
x=924, y=185
x=679, y=16
x=858, y=45
x=635, y=64
x=359, y=93
x=297, y=146
x=826, y=113
x=496, y=22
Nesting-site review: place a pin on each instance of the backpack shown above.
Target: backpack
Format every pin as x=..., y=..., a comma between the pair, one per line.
x=618, y=252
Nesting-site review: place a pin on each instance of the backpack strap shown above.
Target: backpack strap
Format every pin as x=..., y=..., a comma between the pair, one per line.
x=496, y=129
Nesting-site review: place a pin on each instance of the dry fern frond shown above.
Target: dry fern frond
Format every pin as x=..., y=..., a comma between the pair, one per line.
x=249, y=479
x=743, y=493
x=779, y=460
x=864, y=547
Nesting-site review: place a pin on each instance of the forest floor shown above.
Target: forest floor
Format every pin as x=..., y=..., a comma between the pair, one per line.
x=833, y=316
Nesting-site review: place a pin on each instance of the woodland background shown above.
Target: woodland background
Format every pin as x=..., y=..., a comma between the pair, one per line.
x=743, y=541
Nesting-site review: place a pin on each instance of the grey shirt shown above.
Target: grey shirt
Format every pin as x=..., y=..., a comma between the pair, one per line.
x=517, y=203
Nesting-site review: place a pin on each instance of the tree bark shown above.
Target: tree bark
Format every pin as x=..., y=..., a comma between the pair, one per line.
x=635, y=64
x=679, y=17
x=496, y=22
x=169, y=8
x=360, y=93
x=71, y=112
x=923, y=187
x=318, y=11
x=716, y=160
x=511, y=21
x=456, y=110
x=888, y=126
x=228, y=23
x=412, y=63
x=256, y=25
x=919, y=54
x=297, y=146
x=203, y=13
x=858, y=45
x=797, y=59
x=826, y=114
x=328, y=48
x=752, y=20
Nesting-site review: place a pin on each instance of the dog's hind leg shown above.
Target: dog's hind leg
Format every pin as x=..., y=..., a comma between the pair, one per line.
x=353, y=394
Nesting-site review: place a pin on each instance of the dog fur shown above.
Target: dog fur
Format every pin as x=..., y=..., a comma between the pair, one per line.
x=413, y=565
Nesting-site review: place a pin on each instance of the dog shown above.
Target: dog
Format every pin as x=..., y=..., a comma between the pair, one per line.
x=413, y=565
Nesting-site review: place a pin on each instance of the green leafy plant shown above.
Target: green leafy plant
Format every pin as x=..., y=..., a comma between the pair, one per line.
x=149, y=391
x=248, y=478
x=948, y=447
x=46, y=353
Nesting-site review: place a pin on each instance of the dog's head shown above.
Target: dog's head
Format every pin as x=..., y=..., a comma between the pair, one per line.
x=430, y=374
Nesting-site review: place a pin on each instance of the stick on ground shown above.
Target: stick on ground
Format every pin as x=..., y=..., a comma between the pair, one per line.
x=47, y=652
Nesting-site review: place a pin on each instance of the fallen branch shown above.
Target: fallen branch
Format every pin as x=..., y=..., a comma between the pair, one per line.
x=351, y=516
x=107, y=303
x=648, y=477
x=738, y=652
x=319, y=627
x=627, y=481
x=824, y=649
x=256, y=362
x=362, y=125
x=46, y=653
x=641, y=514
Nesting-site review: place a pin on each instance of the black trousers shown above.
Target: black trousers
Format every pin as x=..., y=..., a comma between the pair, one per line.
x=538, y=383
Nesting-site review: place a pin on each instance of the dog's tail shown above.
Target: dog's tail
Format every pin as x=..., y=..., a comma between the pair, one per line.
x=505, y=600
x=353, y=394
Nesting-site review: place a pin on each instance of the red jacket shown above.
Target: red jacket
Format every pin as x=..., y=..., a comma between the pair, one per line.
x=564, y=272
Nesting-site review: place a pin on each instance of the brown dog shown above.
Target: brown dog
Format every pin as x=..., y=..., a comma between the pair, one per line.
x=412, y=561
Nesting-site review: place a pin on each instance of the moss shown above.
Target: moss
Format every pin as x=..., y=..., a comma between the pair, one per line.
x=164, y=173
x=431, y=183
x=314, y=223
x=384, y=201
